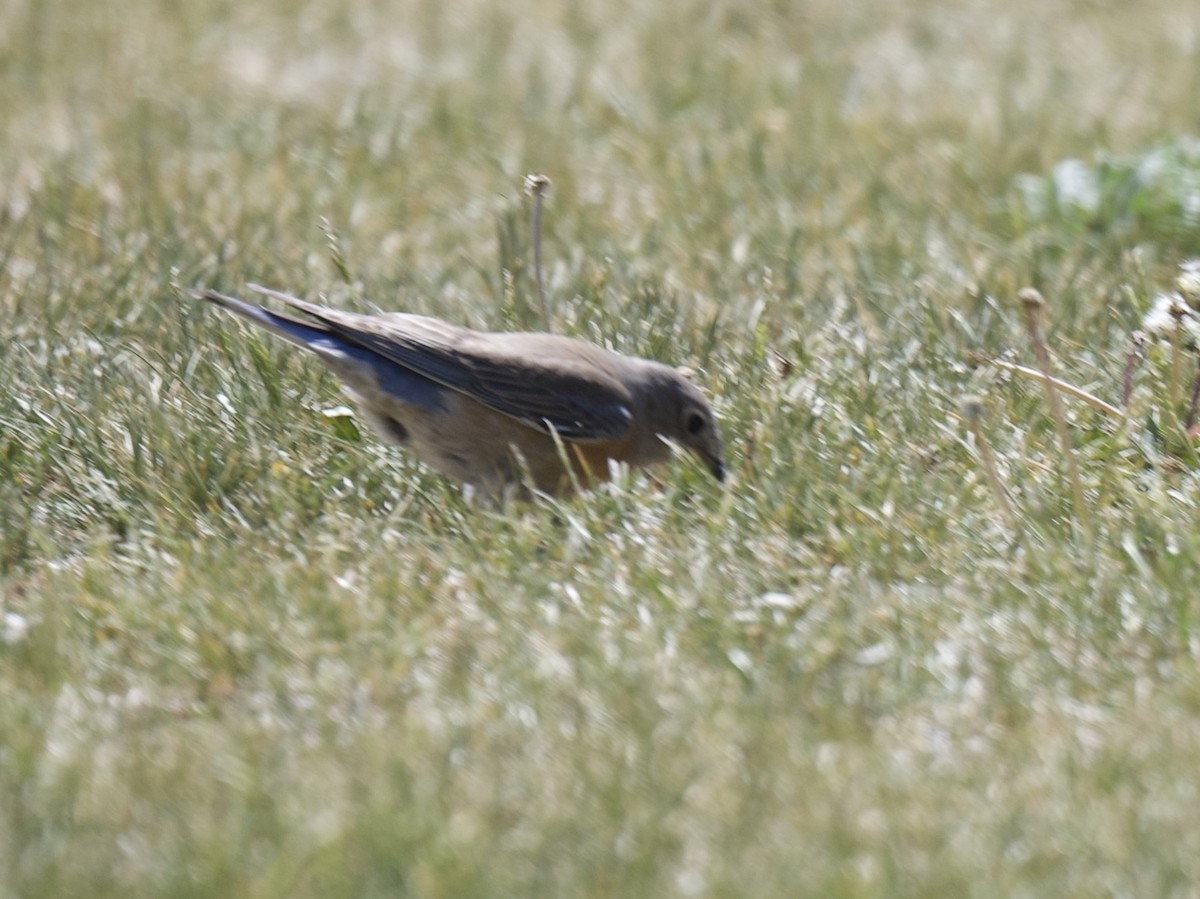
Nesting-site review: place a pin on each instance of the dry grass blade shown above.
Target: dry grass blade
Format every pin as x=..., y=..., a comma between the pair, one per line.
x=1065, y=386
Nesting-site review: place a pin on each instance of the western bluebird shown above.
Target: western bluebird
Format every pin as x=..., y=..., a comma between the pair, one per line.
x=492, y=409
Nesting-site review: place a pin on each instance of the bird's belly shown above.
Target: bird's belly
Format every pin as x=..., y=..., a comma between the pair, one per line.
x=464, y=439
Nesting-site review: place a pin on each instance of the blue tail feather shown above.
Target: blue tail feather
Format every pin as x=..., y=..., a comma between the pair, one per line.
x=396, y=380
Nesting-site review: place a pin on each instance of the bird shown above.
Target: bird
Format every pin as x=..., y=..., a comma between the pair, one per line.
x=499, y=410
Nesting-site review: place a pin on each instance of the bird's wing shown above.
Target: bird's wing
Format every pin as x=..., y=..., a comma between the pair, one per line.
x=544, y=381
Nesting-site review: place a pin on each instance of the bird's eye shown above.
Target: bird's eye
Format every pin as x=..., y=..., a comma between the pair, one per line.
x=694, y=423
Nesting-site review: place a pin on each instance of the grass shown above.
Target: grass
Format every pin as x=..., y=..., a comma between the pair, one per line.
x=248, y=651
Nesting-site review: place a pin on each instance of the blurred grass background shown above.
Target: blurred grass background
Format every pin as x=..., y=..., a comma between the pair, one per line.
x=246, y=652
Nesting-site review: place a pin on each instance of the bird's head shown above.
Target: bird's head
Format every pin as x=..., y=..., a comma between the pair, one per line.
x=680, y=415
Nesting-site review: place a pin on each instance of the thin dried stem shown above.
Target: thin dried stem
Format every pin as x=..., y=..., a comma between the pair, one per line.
x=1133, y=358
x=972, y=410
x=1190, y=421
x=1033, y=304
x=535, y=187
x=1178, y=313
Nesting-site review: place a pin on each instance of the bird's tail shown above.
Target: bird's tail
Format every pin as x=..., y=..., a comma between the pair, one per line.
x=301, y=333
x=365, y=372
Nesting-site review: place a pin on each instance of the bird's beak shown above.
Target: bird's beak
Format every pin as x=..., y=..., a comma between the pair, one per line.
x=717, y=467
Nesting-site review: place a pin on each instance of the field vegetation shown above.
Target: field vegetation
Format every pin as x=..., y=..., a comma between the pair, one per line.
x=249, y=651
